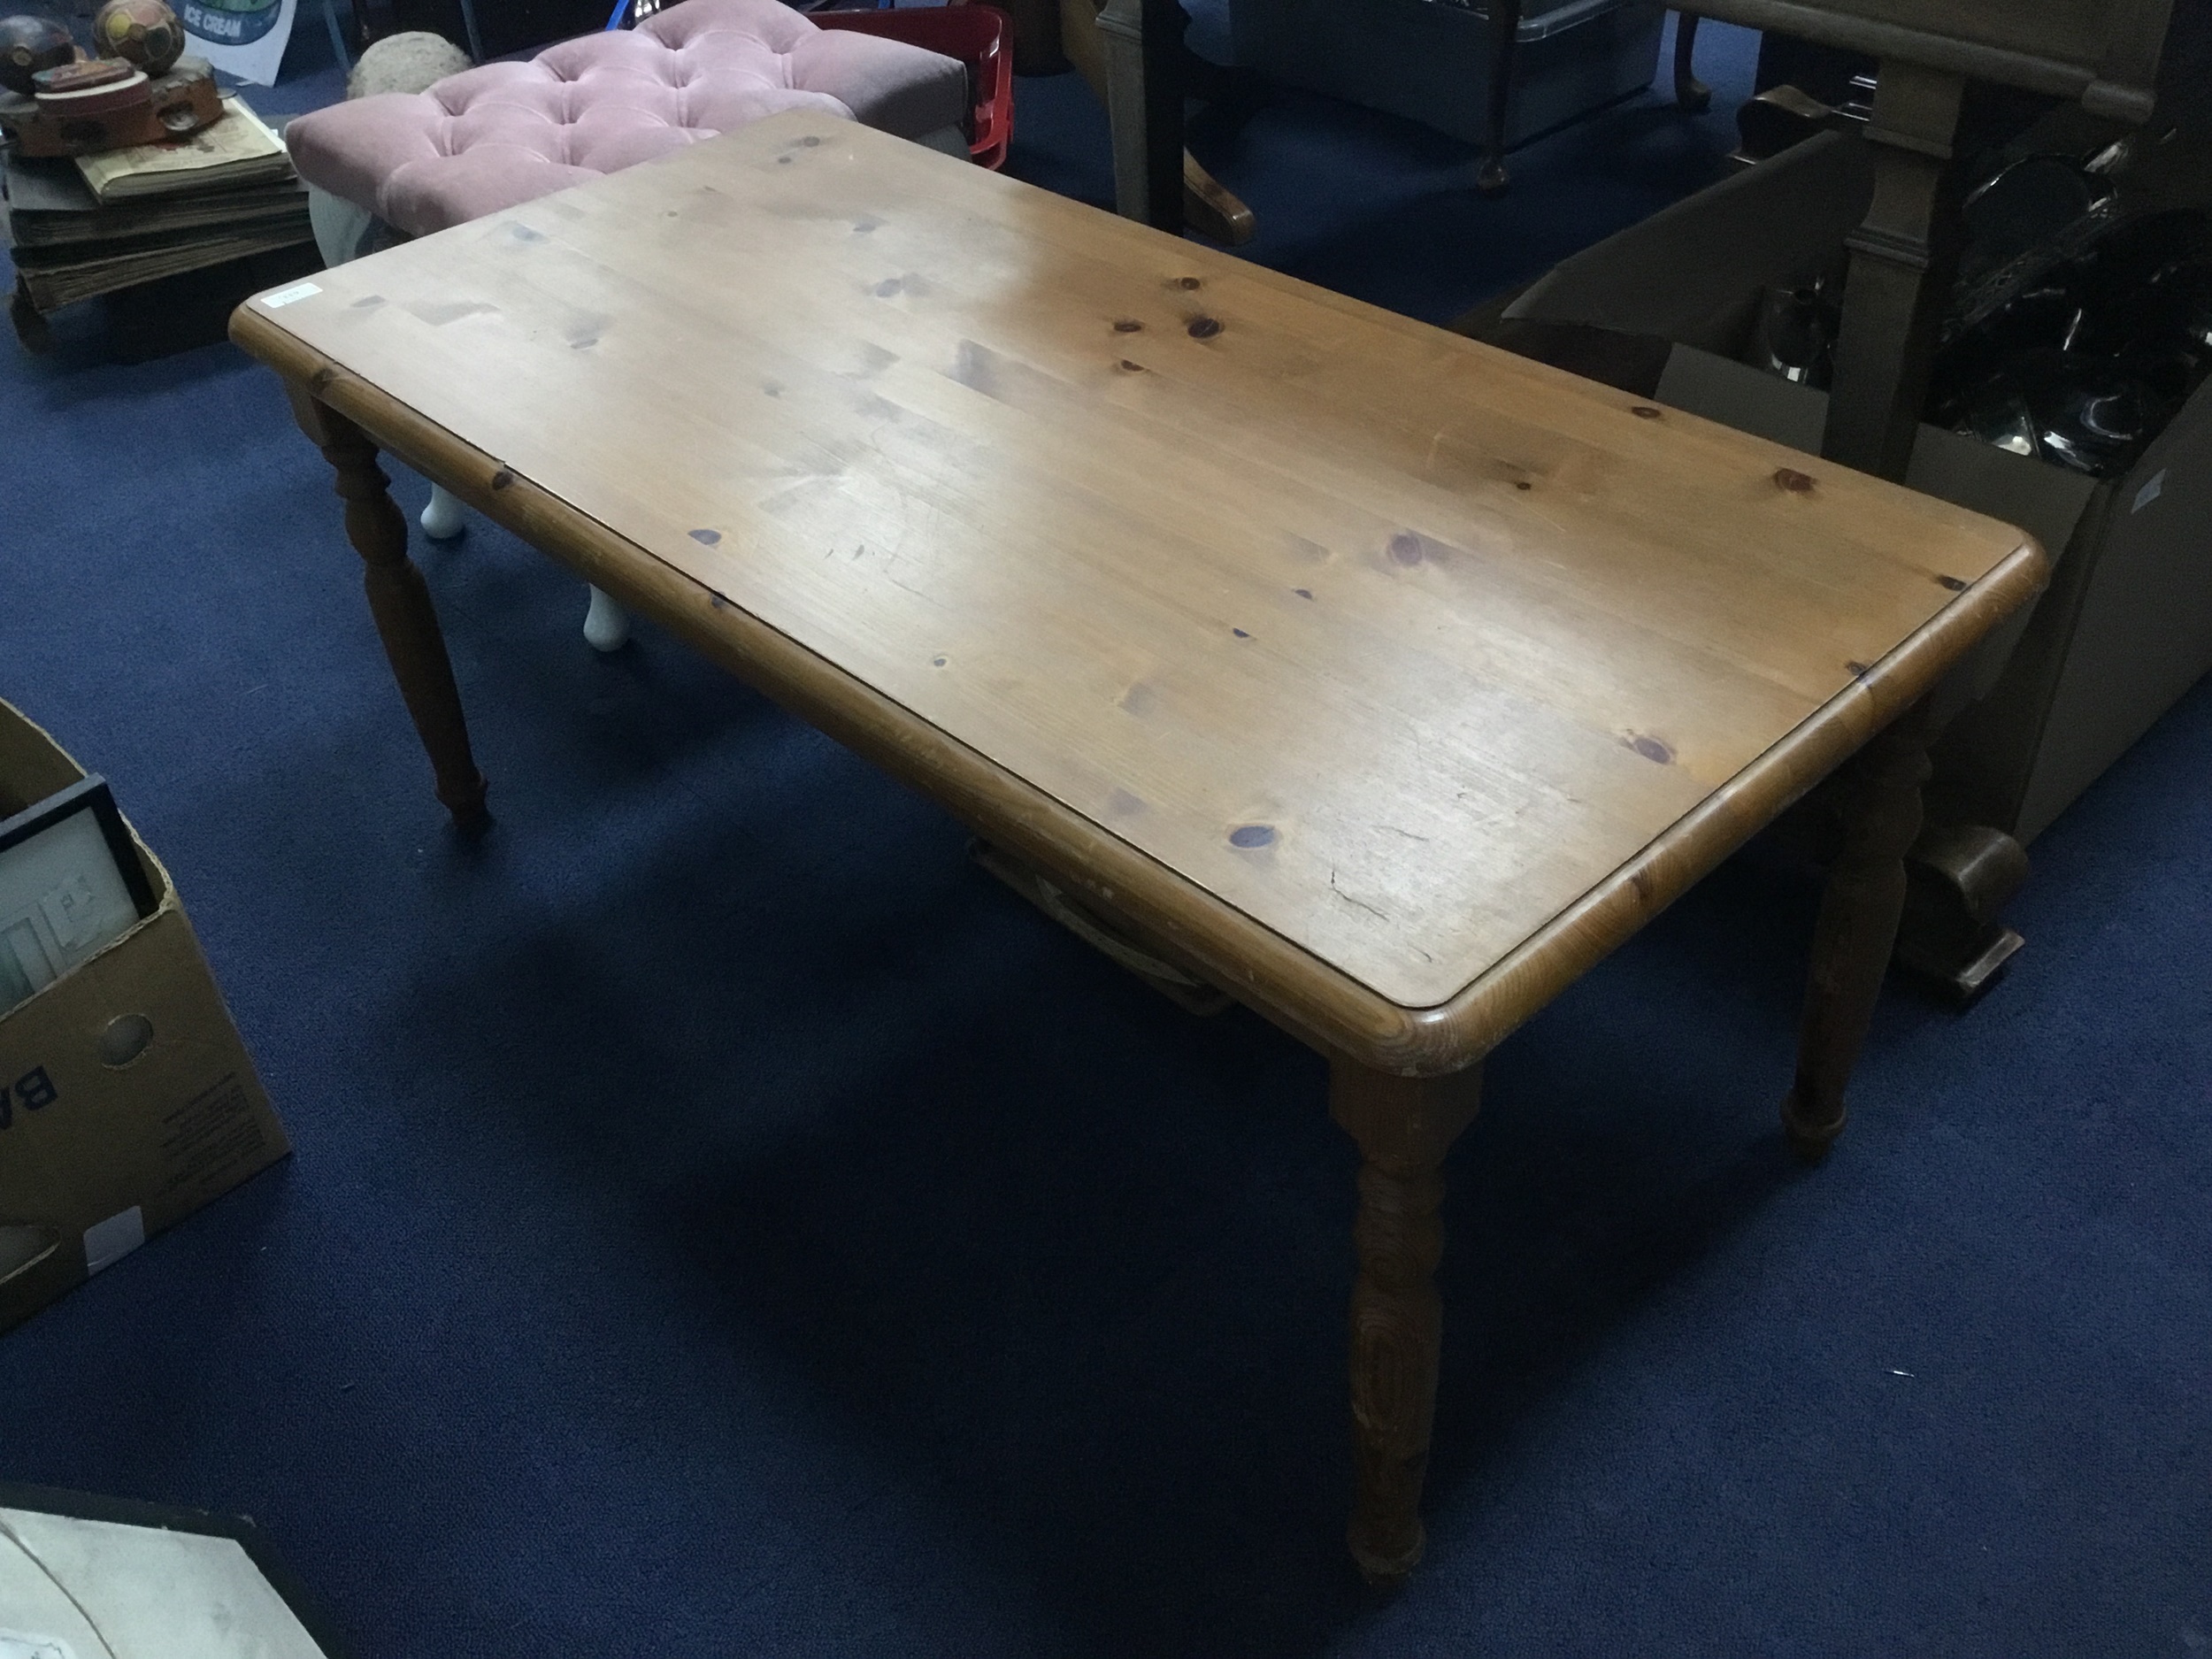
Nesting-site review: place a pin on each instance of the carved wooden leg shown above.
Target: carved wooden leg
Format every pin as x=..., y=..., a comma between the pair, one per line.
x=1690, y=94
x=401, y=604
x=1211, y=210
x=1505, y=45
x=1403, y=1126
x=1857, y=930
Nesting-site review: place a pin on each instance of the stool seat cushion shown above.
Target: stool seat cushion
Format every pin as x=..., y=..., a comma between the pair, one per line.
x=503, y=133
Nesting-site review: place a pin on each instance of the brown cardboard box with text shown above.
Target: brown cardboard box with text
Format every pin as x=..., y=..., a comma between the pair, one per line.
x=126, y=1099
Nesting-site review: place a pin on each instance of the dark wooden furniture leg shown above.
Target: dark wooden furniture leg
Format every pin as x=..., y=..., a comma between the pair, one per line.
x=1690, y=94
x=1902, y=260
x=1144, y=108
x=1958, y=878
x=1403, y=1126
x=400, y=601
x=1857, y=929
x=1505, y=40
x=1900, y=268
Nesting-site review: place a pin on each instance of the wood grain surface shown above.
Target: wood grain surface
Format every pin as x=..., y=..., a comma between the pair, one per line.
x=1445, y=669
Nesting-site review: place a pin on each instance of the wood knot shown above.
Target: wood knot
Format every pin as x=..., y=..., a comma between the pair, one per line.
x=1644, y=412
x=1522, y=483
x=1128, y=325
x=1251, y=836
x=1952, y=582
x=1650, y=748
x=1132, y=368
x=323, y=376
x=502, y=479
x=706, y=538
x=1857, y=670
x=1790, y=479
x=1204, y=328
x=1187, y=282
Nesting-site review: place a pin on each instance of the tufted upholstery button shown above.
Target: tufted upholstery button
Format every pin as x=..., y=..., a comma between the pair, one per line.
x=504, y=133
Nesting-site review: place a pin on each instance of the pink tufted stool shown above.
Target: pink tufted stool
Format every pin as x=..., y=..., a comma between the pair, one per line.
x=504, y=133
x=501, y=133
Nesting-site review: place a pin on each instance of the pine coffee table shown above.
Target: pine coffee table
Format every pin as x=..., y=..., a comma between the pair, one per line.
x=1385, y=679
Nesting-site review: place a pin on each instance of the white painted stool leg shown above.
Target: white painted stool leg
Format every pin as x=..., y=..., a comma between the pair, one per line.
x=442, y=519
x=606, y=625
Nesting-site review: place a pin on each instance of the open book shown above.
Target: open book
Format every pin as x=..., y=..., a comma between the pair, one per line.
x=239, y=150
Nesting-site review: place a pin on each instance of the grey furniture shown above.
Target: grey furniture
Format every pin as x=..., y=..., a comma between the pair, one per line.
x=2103, y=52
x=1667, y=308
x=1494, y=72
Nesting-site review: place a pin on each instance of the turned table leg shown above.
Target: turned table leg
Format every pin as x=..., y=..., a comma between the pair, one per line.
x=1403, y=1126
x=1857, y=929
x=401, y=603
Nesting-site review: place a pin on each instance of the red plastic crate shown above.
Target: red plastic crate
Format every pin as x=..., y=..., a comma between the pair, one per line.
x=977, y=36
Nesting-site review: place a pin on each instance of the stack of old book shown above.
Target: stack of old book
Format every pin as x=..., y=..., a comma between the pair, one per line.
x=98, y=224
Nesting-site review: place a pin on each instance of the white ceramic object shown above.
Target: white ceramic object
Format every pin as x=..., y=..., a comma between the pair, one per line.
x=606, y=625
x=442, y=519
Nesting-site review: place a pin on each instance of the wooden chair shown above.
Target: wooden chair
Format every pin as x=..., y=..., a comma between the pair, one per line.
x=1065, y=32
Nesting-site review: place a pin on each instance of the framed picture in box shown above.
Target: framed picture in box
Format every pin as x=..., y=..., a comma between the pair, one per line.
x=70, y=885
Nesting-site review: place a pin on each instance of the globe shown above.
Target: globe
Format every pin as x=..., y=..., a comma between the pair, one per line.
x=143, y=32
x=29, y=45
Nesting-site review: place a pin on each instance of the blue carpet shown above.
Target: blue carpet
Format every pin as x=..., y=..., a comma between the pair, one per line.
x=724, y=1222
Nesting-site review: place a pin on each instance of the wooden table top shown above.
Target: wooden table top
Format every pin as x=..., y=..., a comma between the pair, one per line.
x=1397, y=679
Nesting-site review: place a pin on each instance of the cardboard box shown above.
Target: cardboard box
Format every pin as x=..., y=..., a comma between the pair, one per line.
x=126, y=1099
